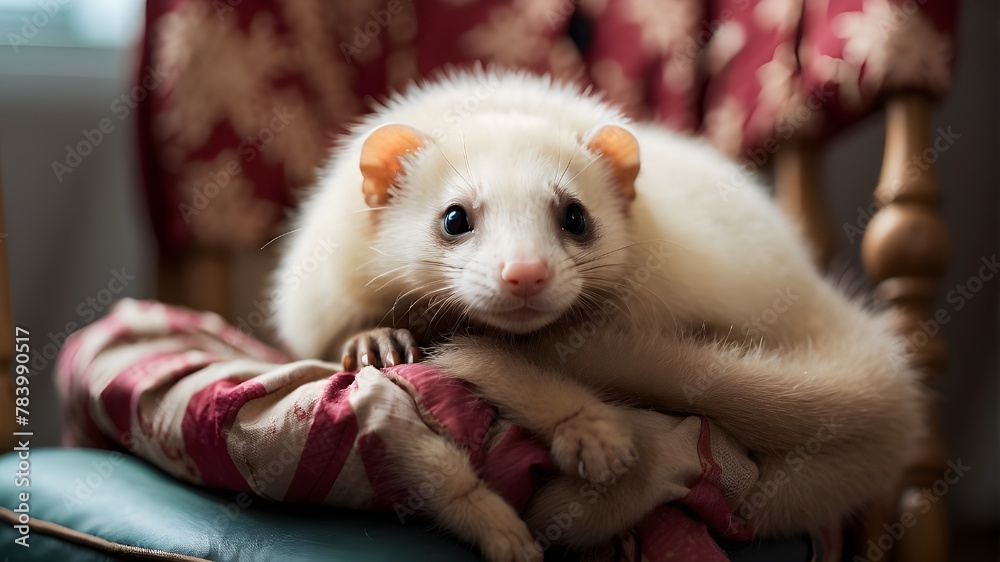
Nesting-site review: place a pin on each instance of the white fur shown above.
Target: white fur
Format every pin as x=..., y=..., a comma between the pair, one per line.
x=702, y=246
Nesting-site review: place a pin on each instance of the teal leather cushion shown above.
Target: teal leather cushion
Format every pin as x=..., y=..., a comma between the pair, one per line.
x=123, y=499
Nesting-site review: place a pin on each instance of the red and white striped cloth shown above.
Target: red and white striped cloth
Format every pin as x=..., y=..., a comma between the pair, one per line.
x=215, y=407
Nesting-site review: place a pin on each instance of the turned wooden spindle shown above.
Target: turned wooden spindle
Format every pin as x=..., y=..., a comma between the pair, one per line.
x=7, y=427
x=906, y=251
x=200, y=278
x=799, y=193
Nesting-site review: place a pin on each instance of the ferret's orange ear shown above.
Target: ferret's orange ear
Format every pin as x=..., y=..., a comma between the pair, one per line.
x=381, y=159
x=621, y=150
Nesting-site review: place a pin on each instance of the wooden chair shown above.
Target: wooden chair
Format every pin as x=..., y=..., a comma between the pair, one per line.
x=905, y=250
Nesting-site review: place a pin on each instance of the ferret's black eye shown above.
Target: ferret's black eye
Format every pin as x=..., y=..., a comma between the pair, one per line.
x=574, y=222
x=456, y=222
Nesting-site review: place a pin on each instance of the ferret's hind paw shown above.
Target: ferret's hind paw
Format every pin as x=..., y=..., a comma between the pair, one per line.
x=595, y=443
x=380, y=347
x=511, y=545
x=558, y=505
x=487, y=520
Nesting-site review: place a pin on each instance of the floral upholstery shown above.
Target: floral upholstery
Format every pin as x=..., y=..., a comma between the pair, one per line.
x=256, y=91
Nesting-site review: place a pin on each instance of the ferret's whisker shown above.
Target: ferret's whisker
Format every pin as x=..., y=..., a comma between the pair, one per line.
x=572, y=155
x=279, y=236
x=589, y=302
x=468, y=182
x=465, y=153
x=559, y=136
x=588, y=253
x=381, y=275
x=589, y=267
x=441, y=308
x=387, y=283
x=392, y=310
x=405, y=294
x=607, y=253
x=585, y=166
x=429, y=297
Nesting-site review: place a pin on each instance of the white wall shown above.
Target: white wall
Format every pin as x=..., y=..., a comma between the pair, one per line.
x=67, y=239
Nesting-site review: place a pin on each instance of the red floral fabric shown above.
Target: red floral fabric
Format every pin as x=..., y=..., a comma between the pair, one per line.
x=256, y=91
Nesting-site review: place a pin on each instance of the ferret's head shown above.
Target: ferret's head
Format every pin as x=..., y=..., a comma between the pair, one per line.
x=511, y=225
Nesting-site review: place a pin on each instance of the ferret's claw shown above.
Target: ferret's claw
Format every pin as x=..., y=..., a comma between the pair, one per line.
x=380, y=347
x=392, y=359
x=596, y=443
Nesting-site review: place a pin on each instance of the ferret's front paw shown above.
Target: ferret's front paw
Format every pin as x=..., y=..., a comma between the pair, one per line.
x=595, y=443
x=380, y=347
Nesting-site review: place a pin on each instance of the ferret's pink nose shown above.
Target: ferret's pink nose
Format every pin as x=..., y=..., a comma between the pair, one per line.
x=525, y=278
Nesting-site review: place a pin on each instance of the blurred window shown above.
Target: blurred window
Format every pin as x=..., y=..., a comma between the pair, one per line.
x=69, y=23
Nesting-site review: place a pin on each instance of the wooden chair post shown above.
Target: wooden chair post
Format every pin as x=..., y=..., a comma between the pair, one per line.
x=799, y=193
x=199, y=278
x=906, y=250
x=7, y=427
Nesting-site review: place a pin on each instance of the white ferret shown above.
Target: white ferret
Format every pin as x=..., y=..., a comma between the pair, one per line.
x=507, y=221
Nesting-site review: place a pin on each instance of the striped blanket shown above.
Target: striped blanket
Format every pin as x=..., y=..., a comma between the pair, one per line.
x=214, y=407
